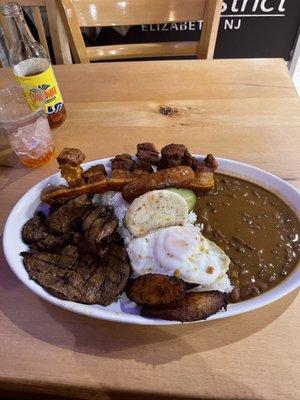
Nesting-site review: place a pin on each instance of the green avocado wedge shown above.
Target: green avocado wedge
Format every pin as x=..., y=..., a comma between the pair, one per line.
x=188, y=195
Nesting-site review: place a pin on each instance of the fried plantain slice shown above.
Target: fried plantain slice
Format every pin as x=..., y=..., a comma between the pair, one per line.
x=193, y=307
x=155, y=290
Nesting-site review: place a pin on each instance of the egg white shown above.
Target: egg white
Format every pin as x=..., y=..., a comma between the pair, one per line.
x=181, y=251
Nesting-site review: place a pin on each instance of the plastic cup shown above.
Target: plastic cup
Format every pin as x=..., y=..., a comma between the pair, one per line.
x=26, y=127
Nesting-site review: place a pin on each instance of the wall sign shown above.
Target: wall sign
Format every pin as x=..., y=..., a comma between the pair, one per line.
x=248, y=28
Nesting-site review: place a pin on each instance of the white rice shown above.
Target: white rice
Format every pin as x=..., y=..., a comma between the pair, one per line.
x=120, y=207
x=116, y=201
x=222, y=284
x=192, y=218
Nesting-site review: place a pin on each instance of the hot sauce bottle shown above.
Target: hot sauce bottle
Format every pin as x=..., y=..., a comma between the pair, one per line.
x=32, y=66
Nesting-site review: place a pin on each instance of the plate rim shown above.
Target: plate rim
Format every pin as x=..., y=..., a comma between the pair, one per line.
x=282, y=289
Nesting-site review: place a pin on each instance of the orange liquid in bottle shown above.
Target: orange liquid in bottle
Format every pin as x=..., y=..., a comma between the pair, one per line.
x=55, y=119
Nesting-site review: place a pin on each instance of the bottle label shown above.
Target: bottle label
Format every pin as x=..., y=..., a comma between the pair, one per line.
x=46, y=82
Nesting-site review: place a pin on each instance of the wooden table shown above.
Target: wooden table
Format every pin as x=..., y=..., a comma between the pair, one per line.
x=247, y=110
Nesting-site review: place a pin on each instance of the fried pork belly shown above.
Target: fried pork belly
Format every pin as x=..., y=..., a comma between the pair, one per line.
x=96, y=173
x=69, y=161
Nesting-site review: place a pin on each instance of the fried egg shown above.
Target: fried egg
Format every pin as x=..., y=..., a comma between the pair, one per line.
x=181, y=251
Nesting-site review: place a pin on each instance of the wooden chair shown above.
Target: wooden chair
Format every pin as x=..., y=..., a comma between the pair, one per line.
x=85, y=13
x=59, y=39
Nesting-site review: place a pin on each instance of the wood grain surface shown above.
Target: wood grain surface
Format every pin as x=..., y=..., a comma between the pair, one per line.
x=247, y=110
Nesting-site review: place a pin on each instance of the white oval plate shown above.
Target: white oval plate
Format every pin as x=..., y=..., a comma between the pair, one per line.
x=27, y=205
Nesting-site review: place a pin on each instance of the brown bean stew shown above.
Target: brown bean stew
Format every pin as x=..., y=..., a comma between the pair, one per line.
x=255, y=228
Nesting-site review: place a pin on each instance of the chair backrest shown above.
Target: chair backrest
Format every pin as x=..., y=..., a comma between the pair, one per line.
x=59, y=38
x=84, y=13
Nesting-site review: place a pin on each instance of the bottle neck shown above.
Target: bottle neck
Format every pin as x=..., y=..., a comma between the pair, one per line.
x=18, y=29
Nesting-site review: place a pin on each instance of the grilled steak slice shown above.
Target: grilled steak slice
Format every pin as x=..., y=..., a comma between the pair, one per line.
x=110, y=279
x=34, y=229
x=95, y=173
x=88, y=280
x=122, y=161
x=147, y=152
x=68, y=256
x=61, y=280
x=35, y=232
x=60, y=220
x=98, y=224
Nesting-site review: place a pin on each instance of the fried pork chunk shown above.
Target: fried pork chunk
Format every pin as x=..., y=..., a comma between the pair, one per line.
x=209, y=164
x=173, y=155
x=155, y=290
x=69, y=161
x=148, y=153
x=132, y=177
x=94, y=174
x=123, y=162
x=193, y=307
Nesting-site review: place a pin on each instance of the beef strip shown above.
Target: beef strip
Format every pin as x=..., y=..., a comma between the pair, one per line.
x=123, y=162
x=147, y=152
x=61, y=219
x=95, y=173
x=98, y=224
x=88, y=280
x=35, y=232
